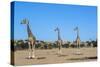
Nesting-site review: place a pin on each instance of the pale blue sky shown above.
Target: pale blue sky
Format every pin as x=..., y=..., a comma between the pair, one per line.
x=44, y=18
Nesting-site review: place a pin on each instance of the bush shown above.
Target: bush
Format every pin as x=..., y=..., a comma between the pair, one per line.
x=49, y=46
x=73, y=45
x=82, y=45
x=54, y=45
x=65, y=45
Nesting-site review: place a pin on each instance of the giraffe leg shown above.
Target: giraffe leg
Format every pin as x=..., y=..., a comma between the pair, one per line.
x=78, y=44
x=60, y=49
x=33, y=50
x=29, y=44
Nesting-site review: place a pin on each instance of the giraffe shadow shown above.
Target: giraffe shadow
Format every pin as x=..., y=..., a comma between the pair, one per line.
x=36, y=58
x=77, y=53
x=29, y=58
x=62, y=55
x=41, y=58
x=83, y=58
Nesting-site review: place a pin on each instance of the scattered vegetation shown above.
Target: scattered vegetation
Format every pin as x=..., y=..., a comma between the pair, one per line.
x=23, y=44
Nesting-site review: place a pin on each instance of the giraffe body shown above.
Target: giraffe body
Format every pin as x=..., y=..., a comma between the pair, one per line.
x=78, y=38
x=31, y=40
x=78, y=42
x=59, y=41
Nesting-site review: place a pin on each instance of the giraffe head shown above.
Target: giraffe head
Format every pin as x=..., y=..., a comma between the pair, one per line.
x=56, y=29
x=25, y=21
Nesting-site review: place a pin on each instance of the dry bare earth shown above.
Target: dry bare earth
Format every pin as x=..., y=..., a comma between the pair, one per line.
x=50, y=56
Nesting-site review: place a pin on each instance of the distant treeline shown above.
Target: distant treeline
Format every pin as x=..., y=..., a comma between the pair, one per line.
x=23, y=44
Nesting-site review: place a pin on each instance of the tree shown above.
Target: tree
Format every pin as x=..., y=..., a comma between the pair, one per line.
x=54, y=45
x=94, y=43
x=66, y=45
x=49, y=46
x=88, y=43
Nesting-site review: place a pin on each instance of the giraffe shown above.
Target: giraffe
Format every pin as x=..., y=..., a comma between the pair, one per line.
x=77, y=42
x=78, y=38
x=59, y=41
x=31, y=39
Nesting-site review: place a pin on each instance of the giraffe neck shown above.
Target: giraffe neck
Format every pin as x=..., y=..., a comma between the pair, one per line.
x=78, y=37
x=78, y=34
x=59, y=38
x=30, y=35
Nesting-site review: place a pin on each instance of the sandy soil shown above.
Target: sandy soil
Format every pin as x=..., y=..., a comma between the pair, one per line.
x=50, y=56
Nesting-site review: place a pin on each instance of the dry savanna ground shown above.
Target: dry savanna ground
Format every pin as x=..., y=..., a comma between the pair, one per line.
x=50, y=56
